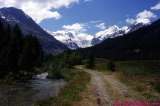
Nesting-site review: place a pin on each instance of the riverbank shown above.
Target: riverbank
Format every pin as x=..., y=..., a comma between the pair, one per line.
x=29, y=92
x=71, y=92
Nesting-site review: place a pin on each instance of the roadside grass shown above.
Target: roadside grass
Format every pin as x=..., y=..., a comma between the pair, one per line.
x=71, y=92
x=132, y=68
x=143, y=76
x=101, y=65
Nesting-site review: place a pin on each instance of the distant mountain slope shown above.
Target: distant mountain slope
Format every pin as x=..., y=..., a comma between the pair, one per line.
x=110, y=32
x=73, y=40
x=67, y=39
x=143, y=43
x=28, y=26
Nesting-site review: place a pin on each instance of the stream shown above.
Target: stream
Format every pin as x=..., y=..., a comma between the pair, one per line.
x=27, y=93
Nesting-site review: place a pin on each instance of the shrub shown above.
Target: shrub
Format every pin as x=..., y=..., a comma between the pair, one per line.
x=90, y=63
x=157, y=87
x=111, y=66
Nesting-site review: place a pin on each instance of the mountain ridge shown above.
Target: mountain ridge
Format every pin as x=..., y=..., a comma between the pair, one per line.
x=143, y=43
x=14, y=16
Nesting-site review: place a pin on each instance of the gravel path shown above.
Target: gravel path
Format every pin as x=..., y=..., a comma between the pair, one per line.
x=104, y=89
x=98, y=88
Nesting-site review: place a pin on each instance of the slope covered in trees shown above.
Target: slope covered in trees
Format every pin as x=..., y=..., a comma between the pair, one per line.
x=19, y=54
x=143, y=43
x=12, y=16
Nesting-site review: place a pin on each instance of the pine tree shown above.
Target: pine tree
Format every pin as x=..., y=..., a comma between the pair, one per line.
x=17, y=52
x=31, y=54
x=15, y=48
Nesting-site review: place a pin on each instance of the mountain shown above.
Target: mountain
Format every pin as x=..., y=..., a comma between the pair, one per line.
x=73, y=40
x=143, y=43
x=111, y=32
x=66, y=38
x=115, y=31
x=14, y=16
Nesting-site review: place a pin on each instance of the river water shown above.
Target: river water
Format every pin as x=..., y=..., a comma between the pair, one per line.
x=27, y=93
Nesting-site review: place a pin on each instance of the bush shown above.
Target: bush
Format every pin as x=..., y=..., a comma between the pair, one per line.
x=157, y=87
x=56, y=71
x=90, y=63
x=72, y=59
x=111, y=66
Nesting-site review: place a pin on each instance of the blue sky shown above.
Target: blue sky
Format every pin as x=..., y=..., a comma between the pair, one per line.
x=87, y=17
x=110, y=12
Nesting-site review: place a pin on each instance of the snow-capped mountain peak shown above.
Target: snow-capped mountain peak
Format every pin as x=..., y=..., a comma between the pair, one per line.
x=82, y=40
x=72, y=39
x=110, y=32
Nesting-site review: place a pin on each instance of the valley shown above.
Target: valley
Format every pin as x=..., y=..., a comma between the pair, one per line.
x=53, y=53
x=108, y=89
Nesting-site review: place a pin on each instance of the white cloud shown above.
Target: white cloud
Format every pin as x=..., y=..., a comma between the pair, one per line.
x=79, y=30
x=84, y=36
x=146, y=14
x=130, y=20
x=156, y=7
x=95, y=21
x=39, y=9
x=77, y=27
x=144, y=17
x=88, y=0
x=101, y=26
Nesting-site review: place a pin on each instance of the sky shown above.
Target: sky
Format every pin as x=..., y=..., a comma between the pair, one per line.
x=87, y=17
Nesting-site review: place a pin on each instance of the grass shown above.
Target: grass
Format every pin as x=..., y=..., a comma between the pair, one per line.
x=143, y=76
x=133, y=68
x=101, y=65
x=157, y=87
x=71, y=92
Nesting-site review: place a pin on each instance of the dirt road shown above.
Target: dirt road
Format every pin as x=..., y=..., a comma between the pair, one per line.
x=105, y=89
